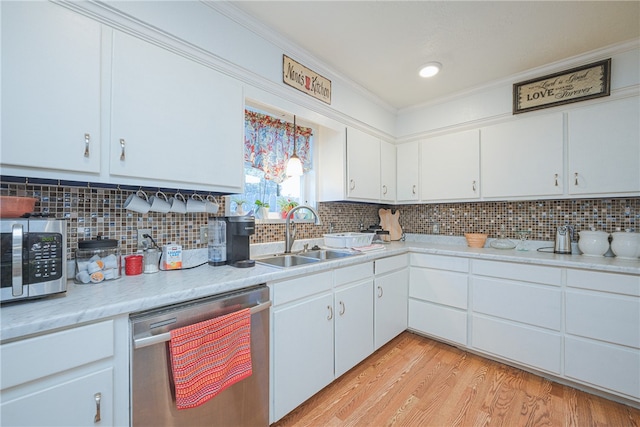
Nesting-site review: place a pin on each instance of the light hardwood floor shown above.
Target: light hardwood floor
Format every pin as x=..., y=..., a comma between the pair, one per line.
x=416, y=381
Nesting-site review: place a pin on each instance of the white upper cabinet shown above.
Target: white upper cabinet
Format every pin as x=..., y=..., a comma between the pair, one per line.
x=408, y=164
x=387, y=172
x=363, y=166
x=450, y=167
x=523, y=157
x=50, y=88
x=173, y=119
x=604, y=148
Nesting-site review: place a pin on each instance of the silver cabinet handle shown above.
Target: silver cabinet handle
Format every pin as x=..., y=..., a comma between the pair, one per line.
x=576, y=179
x=380, y=292
x=122, y=143
x=87, y=140
x=330, y=316
x=16, y=259
x=556, y=179
x=97, y=397
x=413, y=189
x=352, y=184
x=473, y=186
x=384, y=189
x=342, y=308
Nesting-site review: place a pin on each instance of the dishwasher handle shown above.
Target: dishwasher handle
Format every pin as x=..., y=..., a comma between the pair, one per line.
x=148, y=340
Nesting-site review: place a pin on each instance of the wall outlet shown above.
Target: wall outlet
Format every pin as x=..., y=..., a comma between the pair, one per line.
x=204, y=234
x=142, y=239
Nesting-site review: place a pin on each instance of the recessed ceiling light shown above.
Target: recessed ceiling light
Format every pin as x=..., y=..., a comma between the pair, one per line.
x=430, y=69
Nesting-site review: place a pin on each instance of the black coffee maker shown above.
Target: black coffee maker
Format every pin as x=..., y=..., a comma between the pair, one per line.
x=239, y=229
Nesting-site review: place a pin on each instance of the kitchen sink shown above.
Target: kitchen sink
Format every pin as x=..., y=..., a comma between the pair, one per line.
x=287, y=260
x=304, y=258
x=328, y=254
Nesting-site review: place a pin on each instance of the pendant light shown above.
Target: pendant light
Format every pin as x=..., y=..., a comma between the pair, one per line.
x=294, y=165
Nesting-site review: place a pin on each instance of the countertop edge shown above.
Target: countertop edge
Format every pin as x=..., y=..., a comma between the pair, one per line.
x=130, y=294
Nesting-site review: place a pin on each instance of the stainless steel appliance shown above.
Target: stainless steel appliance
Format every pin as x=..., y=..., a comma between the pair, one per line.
x=245, y=403
x=239, y=230
x=564, y=235
x=34, y=255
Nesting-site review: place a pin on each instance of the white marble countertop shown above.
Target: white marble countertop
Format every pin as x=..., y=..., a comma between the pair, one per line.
x=130, y=294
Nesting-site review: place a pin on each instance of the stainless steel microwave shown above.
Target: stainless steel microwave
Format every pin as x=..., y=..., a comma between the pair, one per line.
x=34, y=254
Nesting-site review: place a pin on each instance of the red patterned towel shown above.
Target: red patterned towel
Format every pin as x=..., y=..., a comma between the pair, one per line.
x=210, y=356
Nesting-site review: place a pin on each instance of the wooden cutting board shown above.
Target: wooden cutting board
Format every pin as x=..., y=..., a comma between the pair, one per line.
x=390, y=222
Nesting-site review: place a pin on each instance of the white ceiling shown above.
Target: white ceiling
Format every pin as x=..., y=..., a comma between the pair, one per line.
x=381, y=44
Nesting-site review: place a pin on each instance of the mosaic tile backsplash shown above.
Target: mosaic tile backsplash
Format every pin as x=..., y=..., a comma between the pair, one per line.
x=98, y=211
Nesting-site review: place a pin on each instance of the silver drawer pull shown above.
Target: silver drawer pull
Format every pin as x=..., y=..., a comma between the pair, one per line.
x=87, y=140
x=98, y=397
x=122, y=143
x=342, y=308
x=330, y=316
x=380, y=292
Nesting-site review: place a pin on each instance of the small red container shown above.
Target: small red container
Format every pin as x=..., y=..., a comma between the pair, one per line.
x=133, y=265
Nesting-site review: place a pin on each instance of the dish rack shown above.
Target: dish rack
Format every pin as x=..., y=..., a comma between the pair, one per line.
x=348, y=240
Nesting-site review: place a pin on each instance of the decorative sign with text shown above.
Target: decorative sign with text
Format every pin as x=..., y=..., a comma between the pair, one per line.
x=577, y=84
x=305, y=80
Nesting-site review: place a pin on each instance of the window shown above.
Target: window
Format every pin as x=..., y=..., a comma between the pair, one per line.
x=268, y=146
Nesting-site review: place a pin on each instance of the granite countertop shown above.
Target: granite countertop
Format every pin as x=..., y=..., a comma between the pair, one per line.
x=130, y=294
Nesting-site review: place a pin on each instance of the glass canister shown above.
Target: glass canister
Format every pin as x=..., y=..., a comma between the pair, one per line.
x=97, y=260
x=217, y=242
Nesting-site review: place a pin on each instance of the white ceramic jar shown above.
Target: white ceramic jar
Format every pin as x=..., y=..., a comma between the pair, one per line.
x=626, y=245
x=593, y=243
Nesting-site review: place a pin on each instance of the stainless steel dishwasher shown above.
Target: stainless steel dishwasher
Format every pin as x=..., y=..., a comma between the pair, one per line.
x=245, y=403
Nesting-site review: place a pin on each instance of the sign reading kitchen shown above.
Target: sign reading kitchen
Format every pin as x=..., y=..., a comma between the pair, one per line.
x=577, y=84
x=300, y=77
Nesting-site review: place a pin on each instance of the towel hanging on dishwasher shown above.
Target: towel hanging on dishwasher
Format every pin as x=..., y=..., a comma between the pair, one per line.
x=209, y=356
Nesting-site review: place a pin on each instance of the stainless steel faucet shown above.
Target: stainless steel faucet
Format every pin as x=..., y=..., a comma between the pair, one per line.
x=289, y=237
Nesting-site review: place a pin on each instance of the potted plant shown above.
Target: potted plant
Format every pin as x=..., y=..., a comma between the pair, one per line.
x=262, y=209
x=239, y=206
x=285, y=206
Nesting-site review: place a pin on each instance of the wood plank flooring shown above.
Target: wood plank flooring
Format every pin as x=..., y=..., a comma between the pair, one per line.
x=416, y=381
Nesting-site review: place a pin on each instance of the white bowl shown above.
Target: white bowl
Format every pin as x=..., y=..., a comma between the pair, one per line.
x=593, y=243
x=626, y=245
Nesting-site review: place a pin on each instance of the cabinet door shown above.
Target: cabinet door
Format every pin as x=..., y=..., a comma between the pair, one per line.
x=69, y=403
x=363, y=165
x=353, y=326
x=391, y=291
x=174, y=119
x=408, y=167
x=387, y=172
x=50, y=88
x=604, y=148
x=303, y=352
x=523, y=157
x=450, y=167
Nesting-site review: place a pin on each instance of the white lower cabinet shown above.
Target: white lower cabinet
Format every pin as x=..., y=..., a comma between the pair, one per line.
x=322, y=326
x=517, y=313
x=391, y=292
x=438, y=296
x=353, y=308
x=602, y=340
x=74, y=377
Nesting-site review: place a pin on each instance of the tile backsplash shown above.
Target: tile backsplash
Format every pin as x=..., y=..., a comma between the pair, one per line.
x=99, y=211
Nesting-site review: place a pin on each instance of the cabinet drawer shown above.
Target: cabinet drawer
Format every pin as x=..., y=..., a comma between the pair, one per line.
x=521, y=272
x=22, y=360
x=437, y=320
x=439, y=286
x=626, y=284
x=612, y=367
x=353, y=273
x=71, y=403
x=300, y=287
x=611, y=318
x=386, y=265
x=440, y=262
x=533, y=304
x=519, y=343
